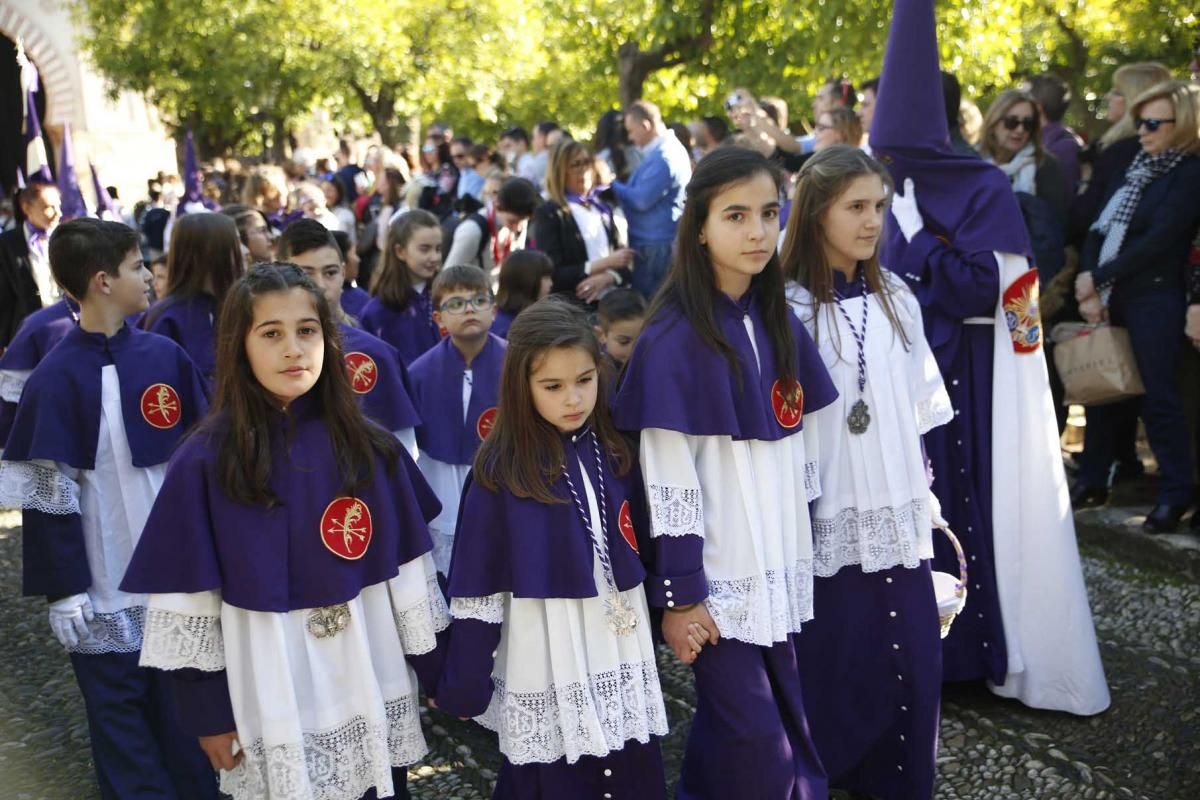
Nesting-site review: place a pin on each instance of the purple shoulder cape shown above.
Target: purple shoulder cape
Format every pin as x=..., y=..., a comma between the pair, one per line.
x=379, y=380
x=190, y=323
x=677, y=382
x=500, y=325
x=437, y=387
x=410, y=329
x=58, y=419
x=39, y=332
x=354, y=300
x=291, y=556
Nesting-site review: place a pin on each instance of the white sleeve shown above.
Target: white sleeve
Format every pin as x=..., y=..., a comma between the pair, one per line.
x=672, y=486
x=12, y=383
x=183, y=631
x=464, y=246
x=38, y=485
x=418, y=605
x=933, y=402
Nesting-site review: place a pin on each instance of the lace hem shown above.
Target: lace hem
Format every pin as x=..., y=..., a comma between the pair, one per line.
x=675, y=511
x=933, y=412
x=485, y=609
x=419, y=625
x=763, y=609
x=183, y=641
x=876, y=540
x=338, y=764
x=812, y=480
x=12, y=383
x=37, y=486
x=578, y=719
x=115, y=632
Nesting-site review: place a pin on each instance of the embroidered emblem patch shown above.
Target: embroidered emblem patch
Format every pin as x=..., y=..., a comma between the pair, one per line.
x=788, y=404
x=1021, y=313
x=362, y=372
x=161, y=407
x=486, y=421
x=625, y=523
x=346, y=528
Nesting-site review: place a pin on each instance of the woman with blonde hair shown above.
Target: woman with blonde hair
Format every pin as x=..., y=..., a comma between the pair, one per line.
x=1012, y=140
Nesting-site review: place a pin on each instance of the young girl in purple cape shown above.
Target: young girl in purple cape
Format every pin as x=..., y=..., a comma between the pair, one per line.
x=204, y=260
x=292, y=593
x=871, y=658
x=401, y=310
x=550, y=644
x=718, y=385
x=525, y=278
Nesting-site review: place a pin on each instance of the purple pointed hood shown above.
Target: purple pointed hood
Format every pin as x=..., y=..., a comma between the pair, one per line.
x=37, y=165
x=68, y=182
x=963, y=199
x=104, y=201
x=193, y=187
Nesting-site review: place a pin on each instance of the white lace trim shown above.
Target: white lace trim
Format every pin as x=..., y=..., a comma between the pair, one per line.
x=342, y=763
x=183, y=641
x=763, y=609
x=675, y=511
x=485, y=609
x=876, y=540
x=812, y=480
x=37, y=486
x=933, y=412
x=578, y=719
x=115, y=632
x=12, y=383
x=419, y=624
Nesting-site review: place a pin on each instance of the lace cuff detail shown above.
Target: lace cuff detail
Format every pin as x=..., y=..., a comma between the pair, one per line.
x=675, y=511
x=37, y=486
x=419, y=625
x=341, y=763
x=591, y=718
x=182, y=641
x=876, y=539
x=934, y=411
x=763, y=609
x=12, y=383
x=488, y=609
x=116, y=632
x=812, y=481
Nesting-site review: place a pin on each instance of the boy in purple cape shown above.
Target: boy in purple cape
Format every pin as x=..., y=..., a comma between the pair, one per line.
x=457, y=386
x=377, y=375
x=958, y=240
x=354, y=298
x=98, y=418
x=39, y=332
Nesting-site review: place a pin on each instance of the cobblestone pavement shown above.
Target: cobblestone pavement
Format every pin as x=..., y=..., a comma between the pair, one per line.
x=1146, y=747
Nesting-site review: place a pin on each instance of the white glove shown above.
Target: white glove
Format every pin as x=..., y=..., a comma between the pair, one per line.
x=935, y=512
x=69, y=618
x=904, y=209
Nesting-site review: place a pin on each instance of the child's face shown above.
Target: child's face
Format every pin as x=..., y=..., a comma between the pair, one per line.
x=285, y=344
x=466, y=314
x=127, y=289
x=563, y=384
x=159, y=281
x=324, y=266
x=423, y=253
x=854, y=222
x=619, y=338
x=741, y=231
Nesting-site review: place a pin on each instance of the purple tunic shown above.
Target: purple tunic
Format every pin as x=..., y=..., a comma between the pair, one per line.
x=354, y=300
x=437, y=382
x=39, y=332
x=379, y=380
x=502, y=322
x=410, y=329
x=190, y=322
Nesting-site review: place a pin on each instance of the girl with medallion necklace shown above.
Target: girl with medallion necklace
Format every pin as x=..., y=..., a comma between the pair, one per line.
x=718, y=385
x=871, y=657
x=292, y=594
x=550, y=644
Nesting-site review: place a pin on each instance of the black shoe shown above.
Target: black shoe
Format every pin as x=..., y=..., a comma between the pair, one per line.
x=1125, y=471
x=1163, y=519
x=1087, y=497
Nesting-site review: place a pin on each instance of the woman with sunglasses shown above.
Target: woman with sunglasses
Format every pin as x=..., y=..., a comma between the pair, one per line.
x=1012, y=140
x=1132, y=270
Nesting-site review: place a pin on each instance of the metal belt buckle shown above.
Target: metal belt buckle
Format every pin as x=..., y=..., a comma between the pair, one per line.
x=328, y=621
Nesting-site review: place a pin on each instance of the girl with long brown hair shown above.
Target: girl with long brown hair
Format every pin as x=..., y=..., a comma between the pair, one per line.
x=551, y=644
x=288, y=546
x=401, y=311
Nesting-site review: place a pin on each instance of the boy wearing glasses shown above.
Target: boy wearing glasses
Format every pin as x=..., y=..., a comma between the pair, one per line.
x=456, y=386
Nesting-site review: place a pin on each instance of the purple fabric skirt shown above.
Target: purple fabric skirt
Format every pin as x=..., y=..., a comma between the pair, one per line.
x=634, y=772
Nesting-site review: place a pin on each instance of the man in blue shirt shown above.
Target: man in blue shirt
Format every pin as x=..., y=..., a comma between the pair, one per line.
x=653, y=198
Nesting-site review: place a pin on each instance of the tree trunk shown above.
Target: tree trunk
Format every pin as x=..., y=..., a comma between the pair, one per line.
x=633, y=67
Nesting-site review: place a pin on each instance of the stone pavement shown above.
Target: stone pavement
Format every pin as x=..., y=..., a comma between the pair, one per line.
x=1145, y=594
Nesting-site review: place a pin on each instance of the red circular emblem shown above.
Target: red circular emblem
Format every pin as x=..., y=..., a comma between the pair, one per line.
x=787, y=403
x=487, y=421
x=362, y=372
x=161, y=407
x=625, y=523
x=346, y=528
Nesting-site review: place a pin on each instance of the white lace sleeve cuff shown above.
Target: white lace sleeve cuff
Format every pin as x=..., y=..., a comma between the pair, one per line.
x=672, y=486
x=12, y=383
x=183, y=631
x=488, y=609
x=934, y=411
x=675, y=511
x=37, y=486
x=420, y=622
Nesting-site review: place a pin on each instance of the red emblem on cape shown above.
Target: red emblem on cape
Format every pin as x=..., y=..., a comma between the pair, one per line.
x=625, y=523
x=161, y=407
x=346, y=528
x=788, y=404
x=362, y=372
x=1021, y=313
x=486, y=421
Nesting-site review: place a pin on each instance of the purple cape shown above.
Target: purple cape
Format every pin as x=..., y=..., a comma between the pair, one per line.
x=58, y=418
x=509, y=544
x=39, y=332
x=437, y=379
x=190, y=322
x=504, y=320
x=677, y=382
x=354, y=300
x=378, y=379
x=410, y=329
x=276, y=559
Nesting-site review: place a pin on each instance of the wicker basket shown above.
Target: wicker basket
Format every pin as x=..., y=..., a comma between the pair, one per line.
x=951, y=591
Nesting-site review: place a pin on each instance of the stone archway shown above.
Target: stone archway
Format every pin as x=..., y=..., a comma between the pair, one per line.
x=53, y=67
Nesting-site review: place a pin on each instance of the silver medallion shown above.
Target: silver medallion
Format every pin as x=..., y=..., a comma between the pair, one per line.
x=622, y=619
x=328, y=621
x=860, y=417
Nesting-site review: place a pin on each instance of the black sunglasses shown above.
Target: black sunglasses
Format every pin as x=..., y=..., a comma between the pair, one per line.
x=1151, y=124
x=1012, y=123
